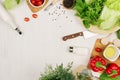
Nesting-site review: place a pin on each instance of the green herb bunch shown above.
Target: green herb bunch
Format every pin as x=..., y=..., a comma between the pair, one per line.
x=58, y=73
x=89, y=11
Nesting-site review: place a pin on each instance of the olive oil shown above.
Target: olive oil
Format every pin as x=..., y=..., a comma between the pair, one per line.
x=110, y=52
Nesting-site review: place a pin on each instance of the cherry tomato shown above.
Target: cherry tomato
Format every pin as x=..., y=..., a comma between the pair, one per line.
x=26, y=19
x=37, y=2
x=34, y=15
x=33, y=1
x=98, y=49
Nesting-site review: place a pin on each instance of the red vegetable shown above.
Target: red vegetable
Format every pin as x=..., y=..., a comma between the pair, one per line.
x=37, y=2
x=34, y=15
x=113, y=70
x=26, y=19
x=97, y=64
x=98, y=49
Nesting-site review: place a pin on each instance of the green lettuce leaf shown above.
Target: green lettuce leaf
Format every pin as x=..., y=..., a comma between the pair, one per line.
x=110, y=18
x=113, y=4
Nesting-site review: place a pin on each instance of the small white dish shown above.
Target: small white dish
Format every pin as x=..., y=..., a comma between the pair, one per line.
x=111, y=52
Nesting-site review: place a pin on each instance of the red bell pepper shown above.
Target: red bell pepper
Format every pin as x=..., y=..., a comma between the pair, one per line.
x=113, y=70
x=97, y=63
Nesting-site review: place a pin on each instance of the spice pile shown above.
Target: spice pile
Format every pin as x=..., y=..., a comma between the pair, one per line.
x=57, y=11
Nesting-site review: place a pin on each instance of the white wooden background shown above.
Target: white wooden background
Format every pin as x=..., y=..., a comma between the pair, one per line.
x=24, y=57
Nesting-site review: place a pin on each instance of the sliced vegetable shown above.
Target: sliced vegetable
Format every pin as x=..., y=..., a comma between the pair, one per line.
x=34, y=15
x=26, y=19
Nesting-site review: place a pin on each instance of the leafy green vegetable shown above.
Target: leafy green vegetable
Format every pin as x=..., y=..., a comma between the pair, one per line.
x=113, y=4
x=10, y=4
x=110, y=18
x=110, y=14
x=58, y=73
x=118, y=34
x=104, y=76
x=89, y=11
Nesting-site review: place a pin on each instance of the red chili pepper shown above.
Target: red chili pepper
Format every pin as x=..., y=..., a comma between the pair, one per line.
x=97, y=64
x=113, y=70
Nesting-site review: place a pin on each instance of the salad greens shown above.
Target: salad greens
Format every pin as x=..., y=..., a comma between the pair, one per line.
x=104, y=76
x=110, y=18
x=58, y=73
x=89, y=11
x=104, y=14
x=113, y=4
x=10, y=4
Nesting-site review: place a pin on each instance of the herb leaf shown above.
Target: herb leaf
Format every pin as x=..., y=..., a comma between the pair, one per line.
x=58, y=73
